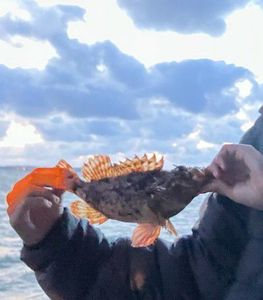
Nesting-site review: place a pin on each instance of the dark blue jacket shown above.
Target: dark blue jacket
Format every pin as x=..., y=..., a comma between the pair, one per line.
x=222, y=259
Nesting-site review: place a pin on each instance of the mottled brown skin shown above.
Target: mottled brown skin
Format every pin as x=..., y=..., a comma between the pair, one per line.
x=143, y=197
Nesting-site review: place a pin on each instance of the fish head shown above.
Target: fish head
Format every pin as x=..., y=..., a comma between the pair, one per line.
x=69, y=180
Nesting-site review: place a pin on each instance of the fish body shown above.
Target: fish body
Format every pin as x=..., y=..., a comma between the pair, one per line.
x=141, y=197
x=135, y=191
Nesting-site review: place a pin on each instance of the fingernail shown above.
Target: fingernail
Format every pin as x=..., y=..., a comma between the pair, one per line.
x=57, y=200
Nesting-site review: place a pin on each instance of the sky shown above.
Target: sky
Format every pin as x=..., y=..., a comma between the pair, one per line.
x=121, y=77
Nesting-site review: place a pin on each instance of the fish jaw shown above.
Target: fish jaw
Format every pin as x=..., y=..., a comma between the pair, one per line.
x=69, y=178
x=81, y=189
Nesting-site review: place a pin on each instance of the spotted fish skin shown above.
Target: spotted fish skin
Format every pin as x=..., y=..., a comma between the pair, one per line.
x=135, y=190
x=143, y=197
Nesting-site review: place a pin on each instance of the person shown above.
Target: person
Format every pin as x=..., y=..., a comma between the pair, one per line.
x=221, y=259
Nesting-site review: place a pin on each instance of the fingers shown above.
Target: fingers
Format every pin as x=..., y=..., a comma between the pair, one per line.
x=57, y=178
x=33, y=204
x=219, y=160
x=229, y=167
x=238, y=151
x=58, y=192
x=219, y=164
x=24, y=189
x=219, y=187
x=20, y=218
x=218, y=169
x=34, y=217
x=44, y=193
x=229, y=155
x=34, y=192
x=214, y=169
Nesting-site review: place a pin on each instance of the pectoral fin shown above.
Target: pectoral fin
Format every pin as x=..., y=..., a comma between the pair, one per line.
x=145, y=235
x=81, y=209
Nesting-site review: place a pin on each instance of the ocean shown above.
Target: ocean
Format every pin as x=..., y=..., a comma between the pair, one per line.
x=17, y=281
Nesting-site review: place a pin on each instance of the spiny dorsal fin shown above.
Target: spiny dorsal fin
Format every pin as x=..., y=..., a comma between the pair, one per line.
x=100, y=166
x=97, y=167
x=82, y=209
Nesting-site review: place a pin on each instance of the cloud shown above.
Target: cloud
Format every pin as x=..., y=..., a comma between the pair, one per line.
x=45, y=23
x=71, y=82
x=100, y=81
x=188, y=16
x=3, y=127
x=59, y=128
x=198, y=85
x=64, y=86
x=95, y=99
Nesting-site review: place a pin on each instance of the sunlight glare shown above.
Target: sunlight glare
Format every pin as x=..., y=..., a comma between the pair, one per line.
x=244, y=88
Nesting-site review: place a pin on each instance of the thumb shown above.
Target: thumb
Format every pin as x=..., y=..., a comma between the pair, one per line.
x=58, y=192
x=218, y=186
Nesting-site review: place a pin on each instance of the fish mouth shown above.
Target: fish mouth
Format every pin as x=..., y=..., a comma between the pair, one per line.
x=79, y=192
x=78, y=188
x=78, y=183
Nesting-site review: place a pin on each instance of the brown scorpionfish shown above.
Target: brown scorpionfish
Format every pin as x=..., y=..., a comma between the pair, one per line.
x=136, y=190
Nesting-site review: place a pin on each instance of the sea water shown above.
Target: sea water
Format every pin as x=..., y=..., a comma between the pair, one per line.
x=17, y=281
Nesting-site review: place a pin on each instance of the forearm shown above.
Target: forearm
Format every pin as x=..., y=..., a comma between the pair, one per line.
x=249, y=274
x=38, y=257
x=216, y=246
x=224, y=224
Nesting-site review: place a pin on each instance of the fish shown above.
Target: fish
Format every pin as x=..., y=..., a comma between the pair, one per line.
x=135, y=190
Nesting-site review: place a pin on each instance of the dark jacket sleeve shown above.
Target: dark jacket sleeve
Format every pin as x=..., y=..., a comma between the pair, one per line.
x=75, y=261
x=222, y=259
x=249, y=272
x=204, y=265
x=67, y=260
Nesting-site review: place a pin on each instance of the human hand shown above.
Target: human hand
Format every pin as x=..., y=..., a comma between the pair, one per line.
x=34, y=203
x=238, y=174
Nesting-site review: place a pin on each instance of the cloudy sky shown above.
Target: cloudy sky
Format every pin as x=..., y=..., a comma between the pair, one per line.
x=125, y=77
